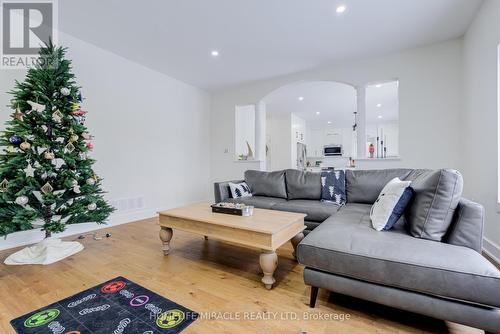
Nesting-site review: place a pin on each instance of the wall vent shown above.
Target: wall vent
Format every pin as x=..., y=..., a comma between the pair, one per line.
x=128, y=204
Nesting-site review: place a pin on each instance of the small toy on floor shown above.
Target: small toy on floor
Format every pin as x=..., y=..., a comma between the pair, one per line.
x=94, y=235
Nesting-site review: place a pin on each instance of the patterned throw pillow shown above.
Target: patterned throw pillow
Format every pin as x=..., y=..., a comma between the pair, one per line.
x=391, y=204
x=240, y=190
x=333, y=187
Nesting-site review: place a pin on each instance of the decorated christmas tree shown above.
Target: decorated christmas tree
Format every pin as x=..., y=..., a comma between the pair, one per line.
x=46, y=175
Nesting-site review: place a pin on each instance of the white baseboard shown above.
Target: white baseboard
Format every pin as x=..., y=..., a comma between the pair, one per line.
x=29, y=237
x=23, y=238
x=492, y=250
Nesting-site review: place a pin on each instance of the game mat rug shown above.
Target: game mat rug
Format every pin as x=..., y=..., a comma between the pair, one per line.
x=117, y=306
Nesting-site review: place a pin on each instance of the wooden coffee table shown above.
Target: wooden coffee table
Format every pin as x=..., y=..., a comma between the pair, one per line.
x=266, y=230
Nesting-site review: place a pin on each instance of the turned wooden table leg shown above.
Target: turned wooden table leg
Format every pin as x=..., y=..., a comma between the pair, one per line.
x=295, y=241
x=165, y=237
x=268, y=263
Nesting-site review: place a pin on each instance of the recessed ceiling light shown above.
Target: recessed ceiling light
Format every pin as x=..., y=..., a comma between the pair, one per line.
x=317, y=112
x=329, y=122
x=301, y=98
x=214, y=53
x=378, y=85
x=379, y=105
x=340, y=9
x=379, y=116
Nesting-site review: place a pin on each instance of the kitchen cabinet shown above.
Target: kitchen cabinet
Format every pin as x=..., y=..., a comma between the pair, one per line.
x=347, y=142
x=333, y=137
x=315, y=142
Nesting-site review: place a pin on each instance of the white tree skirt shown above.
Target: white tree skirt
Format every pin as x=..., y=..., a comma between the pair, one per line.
x=48, y=251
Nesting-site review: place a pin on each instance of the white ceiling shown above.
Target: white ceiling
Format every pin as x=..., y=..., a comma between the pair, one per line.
x=335, y=102
x=258, y=39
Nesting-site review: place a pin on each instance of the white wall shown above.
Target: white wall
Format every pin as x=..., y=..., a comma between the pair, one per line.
x=244, y=130
x=279, y=141
x=430, y=97
x=480, y=115
x=151, y=131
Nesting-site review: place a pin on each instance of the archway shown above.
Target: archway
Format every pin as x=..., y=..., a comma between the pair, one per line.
x=303, y=118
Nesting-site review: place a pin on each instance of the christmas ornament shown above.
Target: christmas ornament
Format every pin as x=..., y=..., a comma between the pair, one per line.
x=80, y=119
x=25, y=146
x=30, y=171
x=75, y=106
x=49, y=155
x=3, y=185
x=15, y=140
x=90, y=181
x=47, y=188
x=78, y=112
x=79, y=115
x=86, y=136
x=82, y=156
x=73, y=138
x=57, y=162
x=18, y=114
x=69, y=147
x=90, y=146
x=11, y=149
x=65, y=91
x=22, y=200
x=92, y=206
x=36, y=106
x=76, y=187
x=79, y=97
x=44, y=128
x=57, y=116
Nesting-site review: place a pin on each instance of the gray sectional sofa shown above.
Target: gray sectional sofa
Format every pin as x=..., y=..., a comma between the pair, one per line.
x=429, y=263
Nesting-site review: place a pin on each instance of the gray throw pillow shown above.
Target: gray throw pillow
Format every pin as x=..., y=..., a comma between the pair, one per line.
x=364, y=186
x=303, y=185
x=271, y=184
x=437, y=193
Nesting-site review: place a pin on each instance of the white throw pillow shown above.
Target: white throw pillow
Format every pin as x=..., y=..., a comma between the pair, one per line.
x=239, y=190
x=390, y=204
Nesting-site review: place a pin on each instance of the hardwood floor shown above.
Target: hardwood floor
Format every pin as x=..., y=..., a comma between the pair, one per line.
x=205, y=276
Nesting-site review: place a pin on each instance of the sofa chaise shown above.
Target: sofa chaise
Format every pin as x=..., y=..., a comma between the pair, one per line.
x=435, y=269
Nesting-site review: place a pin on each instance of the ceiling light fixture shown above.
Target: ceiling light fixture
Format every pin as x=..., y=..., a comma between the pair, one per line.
x=341, y=9
x=329, y=122
x=379, y=116
x=378, y=85
x=317, y=112
x=379, y=105
x=301, y=98
x=214, y=53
